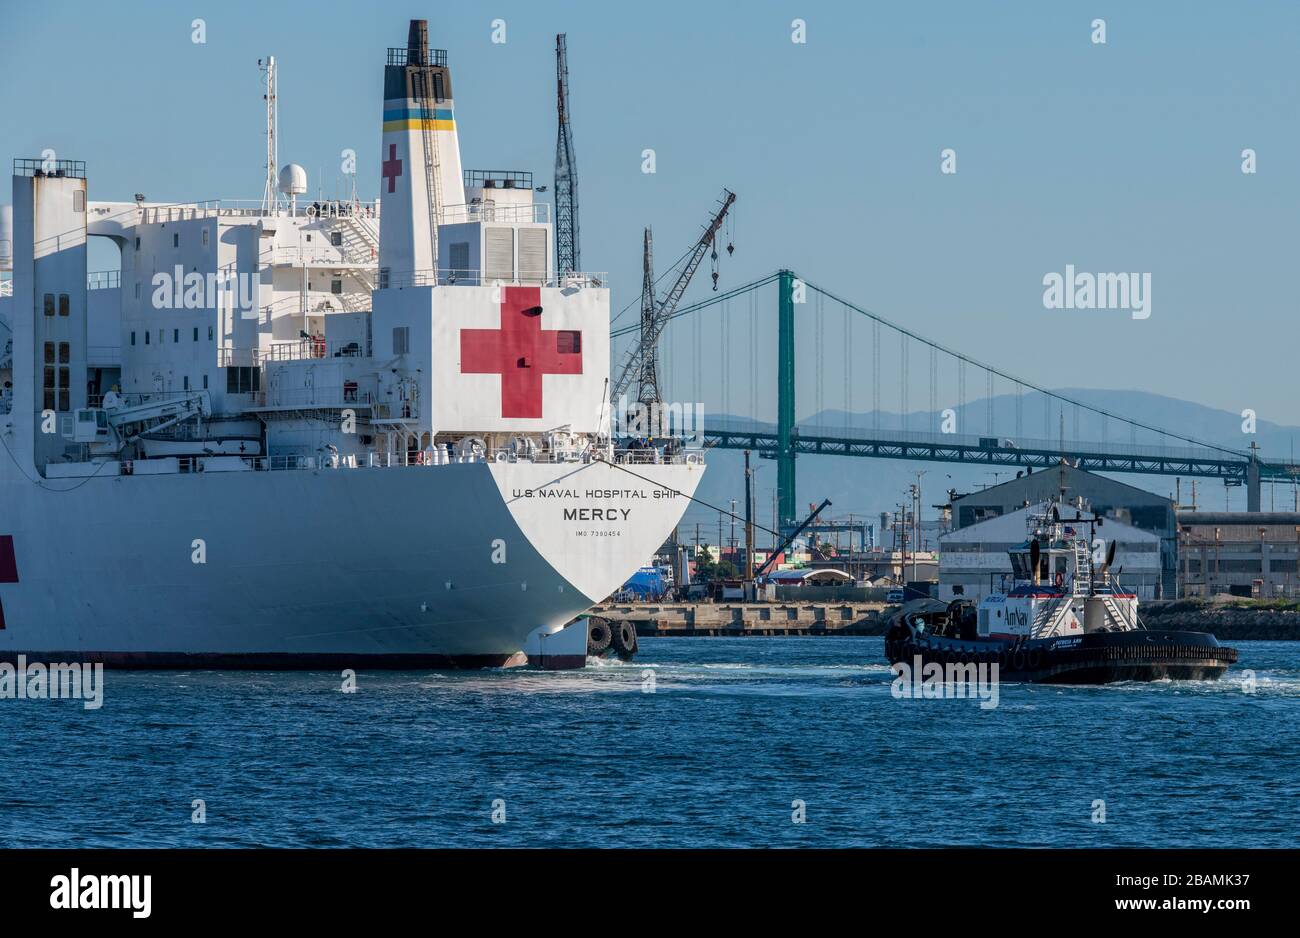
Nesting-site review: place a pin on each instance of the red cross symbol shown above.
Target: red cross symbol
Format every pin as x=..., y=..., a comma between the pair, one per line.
x=521, y=351
x=392, y=166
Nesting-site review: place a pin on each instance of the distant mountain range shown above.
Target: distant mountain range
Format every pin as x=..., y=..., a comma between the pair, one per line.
x=867, y=487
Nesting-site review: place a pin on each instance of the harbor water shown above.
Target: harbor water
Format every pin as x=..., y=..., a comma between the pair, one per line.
x=704, y=742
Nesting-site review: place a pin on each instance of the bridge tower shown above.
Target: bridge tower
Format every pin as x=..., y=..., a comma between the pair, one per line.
x=785, y=429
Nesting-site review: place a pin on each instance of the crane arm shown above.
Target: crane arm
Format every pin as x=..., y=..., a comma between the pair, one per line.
x=665, y=308
x=771, y=558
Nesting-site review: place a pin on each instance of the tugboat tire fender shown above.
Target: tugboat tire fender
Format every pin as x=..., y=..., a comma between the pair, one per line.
x=623, y=640
x=599, y=635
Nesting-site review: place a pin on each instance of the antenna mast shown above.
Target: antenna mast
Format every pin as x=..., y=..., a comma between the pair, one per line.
x=270, y=198
x=566, y=171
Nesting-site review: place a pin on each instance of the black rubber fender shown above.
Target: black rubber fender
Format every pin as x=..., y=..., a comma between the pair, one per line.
x=599, y=635
x=623, y=640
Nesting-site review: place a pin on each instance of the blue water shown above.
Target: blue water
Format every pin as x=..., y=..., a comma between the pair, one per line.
x=734, y=732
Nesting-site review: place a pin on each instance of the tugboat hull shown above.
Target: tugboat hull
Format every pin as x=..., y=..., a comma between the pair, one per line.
x=1097, y=658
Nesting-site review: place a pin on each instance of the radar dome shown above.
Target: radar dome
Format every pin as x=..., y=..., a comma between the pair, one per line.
x=293, y=179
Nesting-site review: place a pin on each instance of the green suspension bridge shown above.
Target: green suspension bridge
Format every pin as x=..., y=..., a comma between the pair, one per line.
x=893, y=429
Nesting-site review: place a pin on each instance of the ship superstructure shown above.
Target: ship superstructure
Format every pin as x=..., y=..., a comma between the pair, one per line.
x=1062, y=583
x=325, y=431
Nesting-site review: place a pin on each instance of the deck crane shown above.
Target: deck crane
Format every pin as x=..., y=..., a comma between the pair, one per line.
x=108, y=429
x=641, y=364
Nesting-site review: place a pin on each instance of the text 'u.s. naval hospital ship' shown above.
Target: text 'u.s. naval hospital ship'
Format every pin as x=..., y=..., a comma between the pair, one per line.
x=314, y=435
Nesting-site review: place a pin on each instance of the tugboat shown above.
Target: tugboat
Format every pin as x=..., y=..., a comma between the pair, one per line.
x=1065, y=620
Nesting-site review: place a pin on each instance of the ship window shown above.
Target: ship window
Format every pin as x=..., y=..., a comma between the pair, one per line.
x=176, y=239
x=187, y=383
x=336, y=238
x=205, y=237
x=459, y=256
x=568, y=342
x=242, y=380
x=196, y=333
x=65, y=305
x=146, y=337
x=137, y=289
x=205, y=382
x=137, y=244
x=65, y=353
x=336, y=286
x=209, y=333
x=64, y=394
x=49, y=304
x=401, y=340
x=49, y=353
x=133, y=338
x=176, y=335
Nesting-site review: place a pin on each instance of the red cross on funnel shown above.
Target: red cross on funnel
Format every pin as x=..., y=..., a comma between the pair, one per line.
x=392, y=167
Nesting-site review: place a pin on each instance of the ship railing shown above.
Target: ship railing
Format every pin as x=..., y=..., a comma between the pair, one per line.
x=528, y=213
x=315, y=347
x=211, y=208
x=438, y=456
x=475, y=277
x=330, y=256
x=347, y=395
x=590, y=453
x=103, y=279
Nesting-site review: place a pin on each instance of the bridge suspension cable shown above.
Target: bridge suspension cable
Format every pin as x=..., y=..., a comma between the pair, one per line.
x=991, y=372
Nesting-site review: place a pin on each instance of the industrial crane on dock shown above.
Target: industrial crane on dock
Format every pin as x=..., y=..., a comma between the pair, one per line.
x=641, y=364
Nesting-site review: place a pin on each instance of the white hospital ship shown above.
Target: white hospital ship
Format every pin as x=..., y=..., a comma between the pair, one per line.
x=311, y=433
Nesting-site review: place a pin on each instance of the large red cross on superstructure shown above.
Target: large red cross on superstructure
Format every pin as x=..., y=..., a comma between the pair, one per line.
x=392, y=166
x=521, y=351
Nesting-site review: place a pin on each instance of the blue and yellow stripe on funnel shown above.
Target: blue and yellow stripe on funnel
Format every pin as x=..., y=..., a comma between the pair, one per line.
x=418, y=118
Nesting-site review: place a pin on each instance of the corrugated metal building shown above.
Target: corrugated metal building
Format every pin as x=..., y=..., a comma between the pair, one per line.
x=1250, y=553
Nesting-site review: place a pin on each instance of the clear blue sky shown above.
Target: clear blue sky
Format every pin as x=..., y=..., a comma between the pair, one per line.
x=1122, y=157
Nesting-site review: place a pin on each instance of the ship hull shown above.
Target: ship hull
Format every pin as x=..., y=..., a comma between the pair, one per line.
x=413, y=567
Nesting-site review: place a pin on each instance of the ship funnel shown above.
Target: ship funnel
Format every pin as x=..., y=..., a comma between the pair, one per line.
x=420, y=175
x=417, y=43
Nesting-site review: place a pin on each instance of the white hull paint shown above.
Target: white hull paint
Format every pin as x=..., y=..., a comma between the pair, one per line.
x=459, y=561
